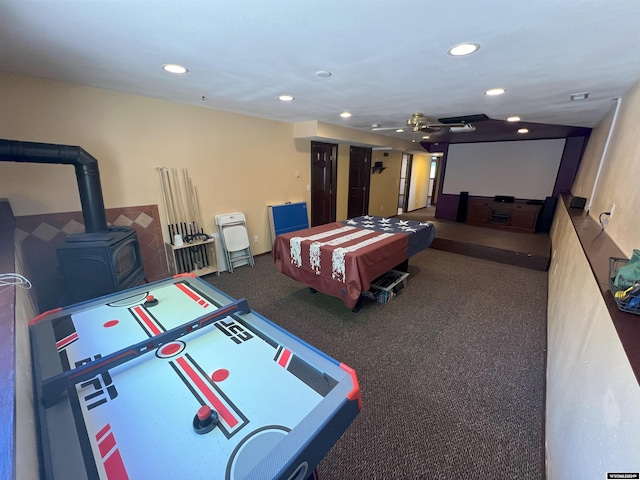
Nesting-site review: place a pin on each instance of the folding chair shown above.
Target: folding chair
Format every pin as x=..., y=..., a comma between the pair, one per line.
x=232, y=228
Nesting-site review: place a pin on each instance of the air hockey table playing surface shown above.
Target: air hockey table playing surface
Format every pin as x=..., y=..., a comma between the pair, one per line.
x=176, y=379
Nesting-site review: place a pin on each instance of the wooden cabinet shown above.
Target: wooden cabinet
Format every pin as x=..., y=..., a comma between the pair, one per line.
x=517, y=216
x=524, y=217
x=479, y=212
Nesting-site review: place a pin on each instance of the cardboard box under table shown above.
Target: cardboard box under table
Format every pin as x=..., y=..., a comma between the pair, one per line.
x=176, y=379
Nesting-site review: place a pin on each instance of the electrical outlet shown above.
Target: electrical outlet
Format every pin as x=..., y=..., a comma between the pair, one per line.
x=255, y=239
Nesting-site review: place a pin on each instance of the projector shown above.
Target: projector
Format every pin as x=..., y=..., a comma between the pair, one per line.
x=466, y=128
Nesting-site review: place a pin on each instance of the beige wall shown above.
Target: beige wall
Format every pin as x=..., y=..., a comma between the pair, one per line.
x=419, y=185
x=618, y=183
x=585, y=177
x=383, y=195
x=593, y=397
x=237, y=162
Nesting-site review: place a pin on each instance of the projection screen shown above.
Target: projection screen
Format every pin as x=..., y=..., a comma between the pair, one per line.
x=522, y=169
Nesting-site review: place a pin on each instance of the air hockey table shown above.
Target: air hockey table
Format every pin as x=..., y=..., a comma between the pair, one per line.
x=175, y=379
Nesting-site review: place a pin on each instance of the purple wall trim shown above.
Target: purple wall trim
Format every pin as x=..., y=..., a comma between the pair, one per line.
x=447, y=207
x=571, y=157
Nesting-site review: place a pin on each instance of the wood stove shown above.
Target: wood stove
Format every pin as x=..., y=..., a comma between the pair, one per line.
x=97, y=264
x=102, y=260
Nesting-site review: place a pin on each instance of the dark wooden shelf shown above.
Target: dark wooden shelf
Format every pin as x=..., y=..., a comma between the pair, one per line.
x=598, y=248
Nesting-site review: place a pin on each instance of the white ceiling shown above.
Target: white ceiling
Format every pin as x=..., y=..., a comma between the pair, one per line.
x=387, y=57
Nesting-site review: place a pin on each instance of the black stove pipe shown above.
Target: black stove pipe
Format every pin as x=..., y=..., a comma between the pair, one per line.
x=87, y=174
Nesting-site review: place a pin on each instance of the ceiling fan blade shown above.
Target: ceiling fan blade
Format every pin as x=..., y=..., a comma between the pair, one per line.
x=379, y=129
x=444, y=125
x=419, y=123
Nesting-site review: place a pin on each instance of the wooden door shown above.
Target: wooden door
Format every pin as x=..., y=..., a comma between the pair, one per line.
x=324, y=159
x=359, y=181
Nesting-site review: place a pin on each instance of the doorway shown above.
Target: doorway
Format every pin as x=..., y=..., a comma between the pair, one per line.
x=324, y=160
x=359, y=181
x=405, y=176
x=433, y=171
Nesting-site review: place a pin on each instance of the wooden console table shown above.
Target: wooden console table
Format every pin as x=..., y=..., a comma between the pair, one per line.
x=517, y=216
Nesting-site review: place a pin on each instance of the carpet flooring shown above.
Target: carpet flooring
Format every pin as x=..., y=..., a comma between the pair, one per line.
x=451, y=370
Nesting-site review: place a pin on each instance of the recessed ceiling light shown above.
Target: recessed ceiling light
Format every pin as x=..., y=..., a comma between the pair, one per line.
x=579, y=96
x=323, y=74
x=523, y=130
x=400, y=130
x=285, y=98
x=513, y=119
x=345, y=114
x=425, y=137
x=173, y=68
x=463, y=49
x=495, y=91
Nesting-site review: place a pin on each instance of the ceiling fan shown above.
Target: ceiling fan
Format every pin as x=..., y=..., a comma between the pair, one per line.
x=419, y=123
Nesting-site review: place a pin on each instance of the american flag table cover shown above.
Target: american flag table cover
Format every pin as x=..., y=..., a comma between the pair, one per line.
x=342, y=258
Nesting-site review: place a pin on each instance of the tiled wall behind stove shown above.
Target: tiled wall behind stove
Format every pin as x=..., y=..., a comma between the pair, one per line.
x=41, y=234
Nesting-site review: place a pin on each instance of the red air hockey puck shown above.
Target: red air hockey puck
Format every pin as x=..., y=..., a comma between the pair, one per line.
x=205, y=420
x=150, y=301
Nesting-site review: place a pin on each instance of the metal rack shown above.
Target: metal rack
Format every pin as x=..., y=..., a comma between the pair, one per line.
x=198, y=257
x=627, y=299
